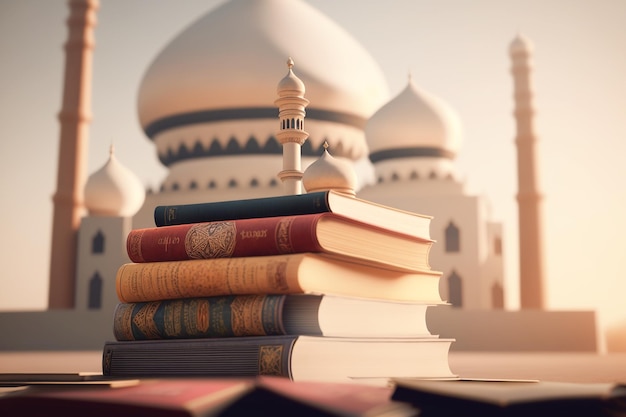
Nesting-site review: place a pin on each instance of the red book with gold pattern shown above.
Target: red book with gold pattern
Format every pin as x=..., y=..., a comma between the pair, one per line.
x=327, y=233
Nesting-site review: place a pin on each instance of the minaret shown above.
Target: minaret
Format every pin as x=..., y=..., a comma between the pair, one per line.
x=291, y=104
x=74, y=117
x=529, y=197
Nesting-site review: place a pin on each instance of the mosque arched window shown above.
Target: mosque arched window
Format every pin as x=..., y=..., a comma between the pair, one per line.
x=497, y=296
x=175, y=186
x=97, y=243
x=254, y=182
x=212, y=184
x=453, y=243
x=497, y=245
x=94, y=298
x=395, y=176
x=232, y=183
x=455, y=290
x=414, y=175
x=193, y=185
x=273, y=182
x=433, y=175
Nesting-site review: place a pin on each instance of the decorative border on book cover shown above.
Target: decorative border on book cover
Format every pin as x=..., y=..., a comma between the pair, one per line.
x=211, y=240
x=283, y=235
x=270, y=360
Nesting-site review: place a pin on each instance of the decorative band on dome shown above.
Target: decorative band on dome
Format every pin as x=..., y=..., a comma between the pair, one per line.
x=234, y=148
x=246, y=113
x=409, y=153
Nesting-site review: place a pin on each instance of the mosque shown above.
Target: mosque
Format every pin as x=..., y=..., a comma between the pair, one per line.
x=215, y=127
x=209, y=108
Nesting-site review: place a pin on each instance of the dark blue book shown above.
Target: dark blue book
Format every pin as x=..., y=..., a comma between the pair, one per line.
x=400, y=221
x=299, y=358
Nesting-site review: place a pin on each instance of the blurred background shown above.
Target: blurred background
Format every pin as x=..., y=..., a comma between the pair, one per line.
x=456, y=49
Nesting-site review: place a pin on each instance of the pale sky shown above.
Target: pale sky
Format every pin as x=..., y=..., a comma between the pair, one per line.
x=455, y=49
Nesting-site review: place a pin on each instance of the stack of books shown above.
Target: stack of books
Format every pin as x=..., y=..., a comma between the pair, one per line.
x=316, y=287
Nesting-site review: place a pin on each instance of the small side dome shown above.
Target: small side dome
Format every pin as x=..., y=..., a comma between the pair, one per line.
x=520, y=45
x=290, y=85
x=329, y=173
x=114, y=190
x=414, y=123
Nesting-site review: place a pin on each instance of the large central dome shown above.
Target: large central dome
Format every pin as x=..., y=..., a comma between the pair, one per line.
x=234, y=55
x=211, y=91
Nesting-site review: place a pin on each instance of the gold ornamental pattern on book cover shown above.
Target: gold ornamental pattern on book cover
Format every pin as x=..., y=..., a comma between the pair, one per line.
x=211, y=240
x=233, y=276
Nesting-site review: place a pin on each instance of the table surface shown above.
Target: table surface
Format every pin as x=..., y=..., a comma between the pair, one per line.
x=552, y=366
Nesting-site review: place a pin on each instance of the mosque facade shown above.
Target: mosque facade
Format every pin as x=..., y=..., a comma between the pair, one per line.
x=209, y=108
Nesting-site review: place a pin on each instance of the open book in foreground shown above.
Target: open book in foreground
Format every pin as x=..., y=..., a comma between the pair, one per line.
x=268, y=396
x=466, y=397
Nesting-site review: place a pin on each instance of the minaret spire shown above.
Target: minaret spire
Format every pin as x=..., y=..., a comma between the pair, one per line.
x=74, y=118
x=291, y=135
x=529, y=197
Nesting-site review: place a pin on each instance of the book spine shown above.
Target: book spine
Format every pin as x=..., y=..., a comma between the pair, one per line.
x=228, y=316
x=241, y=209
x=225, y=357
x=153, y=281
x=224, y=239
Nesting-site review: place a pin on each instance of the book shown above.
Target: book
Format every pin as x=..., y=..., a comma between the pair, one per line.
x=266, y=315
x=365, y=211
x=511, y=398
x=305, y=273
x=195, y=397
x=64, y=379
x=299, y=358
x=324, y=232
